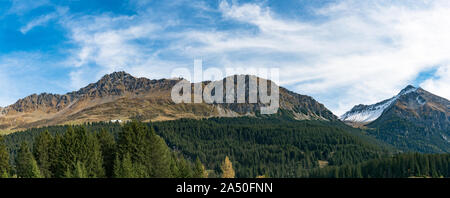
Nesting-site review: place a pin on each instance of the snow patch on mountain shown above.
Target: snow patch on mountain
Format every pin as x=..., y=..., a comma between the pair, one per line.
x=368, y=113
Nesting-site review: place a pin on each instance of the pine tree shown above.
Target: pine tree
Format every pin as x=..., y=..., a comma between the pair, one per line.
x=227, y=168
x=41, y=151
x=199, y=169
x=108, y=149
x=175, y=171
x=184, y=170
x=78, y=145
x=68, y=153
x=159, y=156
x=57, y=163
x=148, y=152
x=123, y=168
x=80, y=171
x=4, y=159
x=35, y=171
x=26, y=166
x=94, y=161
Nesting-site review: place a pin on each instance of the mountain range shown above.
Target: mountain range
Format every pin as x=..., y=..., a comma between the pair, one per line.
x=413, y=120
x=120, y=96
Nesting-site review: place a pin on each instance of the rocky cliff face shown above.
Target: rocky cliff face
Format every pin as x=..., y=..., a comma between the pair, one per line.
x=120, y=96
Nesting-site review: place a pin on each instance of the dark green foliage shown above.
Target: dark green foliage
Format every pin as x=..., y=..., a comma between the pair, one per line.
x=26, y=166
x=80, y=146
x=266, y=146
x=42, y=153
x=183, y=168
x=148, y=152
x=14, y=140
x=199, y=169
x=123, y=167
x=398, y=166
x=80, y=152
x=410, y=136
x=4, y=159
x=108, y=150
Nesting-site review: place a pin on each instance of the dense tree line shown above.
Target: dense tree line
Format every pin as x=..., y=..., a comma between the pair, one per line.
x=78, y=152
x=271, y=147
x=251, y=147
x=398, y=166
x=410, y=136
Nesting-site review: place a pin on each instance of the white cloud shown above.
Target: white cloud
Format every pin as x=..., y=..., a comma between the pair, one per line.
x=358, y=52
x=368, y=52
x=42, y=20
x=113, y=43
x=20, y=7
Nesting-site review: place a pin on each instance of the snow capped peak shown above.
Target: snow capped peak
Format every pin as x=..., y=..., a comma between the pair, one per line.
x=407, y=89
x=369, y=113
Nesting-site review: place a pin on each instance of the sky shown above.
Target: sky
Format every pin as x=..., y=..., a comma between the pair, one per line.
x=341, y=52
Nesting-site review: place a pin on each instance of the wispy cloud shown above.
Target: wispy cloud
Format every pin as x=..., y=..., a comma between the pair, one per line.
x=42, y=20
x=356, y=54
x=113, y=43
x=21, y=7
x=353, y=52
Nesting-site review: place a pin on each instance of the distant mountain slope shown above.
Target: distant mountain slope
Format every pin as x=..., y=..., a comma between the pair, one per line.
x=120, y=96
x=368, y=113
x=414, y=120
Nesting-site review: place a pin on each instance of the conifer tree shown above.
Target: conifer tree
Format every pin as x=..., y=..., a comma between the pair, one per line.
x=41, y=151
x=78, y=145
x=26, y=166
x=108, y=149
x=80, y=171
x=159, y=156
x=57, y=163
x=94, y=161
x=199, y=169
x=184, y=170
x=4, y=159
x=148, y=152
x=123, y=168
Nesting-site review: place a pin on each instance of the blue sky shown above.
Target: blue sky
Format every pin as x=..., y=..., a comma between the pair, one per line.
x=342, y=53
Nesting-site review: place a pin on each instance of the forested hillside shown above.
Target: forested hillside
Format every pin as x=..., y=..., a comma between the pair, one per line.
x=411, y=136
x=85, y=153
x=257, y=146
x=273, y=147
x=252, y=147
x=398, y=166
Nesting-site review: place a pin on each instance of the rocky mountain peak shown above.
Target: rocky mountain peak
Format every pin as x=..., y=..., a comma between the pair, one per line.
x=119, y=95
x=408, y=89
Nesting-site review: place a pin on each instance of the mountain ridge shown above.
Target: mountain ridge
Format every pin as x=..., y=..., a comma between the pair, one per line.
x=414, y=120
x=367, y=113
x=121, y=96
